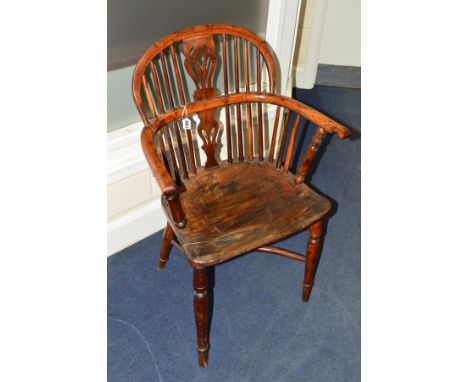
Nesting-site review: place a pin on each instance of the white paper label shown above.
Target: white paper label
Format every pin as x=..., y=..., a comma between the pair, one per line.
x=186, y=123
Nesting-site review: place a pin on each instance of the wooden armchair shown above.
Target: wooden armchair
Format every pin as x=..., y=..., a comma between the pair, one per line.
x=218, y=208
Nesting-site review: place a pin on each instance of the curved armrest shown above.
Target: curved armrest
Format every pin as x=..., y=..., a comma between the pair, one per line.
x=321, y=120
x=163, y=177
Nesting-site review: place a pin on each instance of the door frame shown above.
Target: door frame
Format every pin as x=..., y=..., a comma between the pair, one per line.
x=281, y=31
x=304, y=75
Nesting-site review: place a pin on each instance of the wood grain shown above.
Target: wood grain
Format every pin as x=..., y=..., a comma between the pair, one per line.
x=200, y=303
x=313, y=246
x=168, y=236
x=228, y=215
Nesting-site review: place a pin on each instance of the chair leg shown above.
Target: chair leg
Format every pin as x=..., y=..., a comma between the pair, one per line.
x=313, y=246
x=165, y=247
x=200, y=303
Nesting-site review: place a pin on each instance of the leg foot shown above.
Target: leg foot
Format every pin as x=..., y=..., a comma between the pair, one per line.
x=165, y=247
x=313, y=246
x=203, y=358
x=200, y=302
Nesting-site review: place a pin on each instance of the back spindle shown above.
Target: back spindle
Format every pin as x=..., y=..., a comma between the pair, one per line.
x=259, y=110
x=227, y=109
x=149, y=99
x=275, y=131
x=292, y=138
x=282, y=139
x=157, y=88
x=193, y=166
x=180, y=147
x=162, y=148
x=167, y=136
x=248, y=104
x=240, y=146
x=180, y=88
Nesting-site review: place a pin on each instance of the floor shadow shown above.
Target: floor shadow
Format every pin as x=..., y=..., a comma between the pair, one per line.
x=211, y=271
x=330, y=101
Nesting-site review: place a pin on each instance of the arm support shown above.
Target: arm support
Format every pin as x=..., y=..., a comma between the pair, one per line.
x=163, y=177
x=309, y=156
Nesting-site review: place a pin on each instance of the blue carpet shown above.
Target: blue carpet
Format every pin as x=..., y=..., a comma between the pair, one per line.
x=260, y=329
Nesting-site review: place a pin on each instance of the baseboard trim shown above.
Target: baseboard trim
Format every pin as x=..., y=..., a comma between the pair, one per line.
x=134, y=226
x=338, y=76
x=124, y=154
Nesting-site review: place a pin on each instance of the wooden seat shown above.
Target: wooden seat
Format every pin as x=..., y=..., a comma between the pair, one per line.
x=228, y=214
x=223, y=159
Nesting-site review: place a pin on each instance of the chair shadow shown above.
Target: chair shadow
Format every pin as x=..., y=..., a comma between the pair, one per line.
x=211, y=273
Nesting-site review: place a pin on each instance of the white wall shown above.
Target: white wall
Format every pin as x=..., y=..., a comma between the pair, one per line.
x=133, y=198
x=310, y=28
x=304, y=27
x=341, y=40
x=328, y=32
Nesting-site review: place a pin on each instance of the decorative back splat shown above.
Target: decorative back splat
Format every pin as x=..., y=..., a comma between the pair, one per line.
x=200, y=63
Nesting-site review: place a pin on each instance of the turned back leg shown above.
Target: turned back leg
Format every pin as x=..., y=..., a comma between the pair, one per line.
x=165, y=246
x=200, y=302
x=313, y=246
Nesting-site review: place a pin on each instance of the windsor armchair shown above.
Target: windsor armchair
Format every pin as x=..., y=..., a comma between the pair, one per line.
x=218, y=208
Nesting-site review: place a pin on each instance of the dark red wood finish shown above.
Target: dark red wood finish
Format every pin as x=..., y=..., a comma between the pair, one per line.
x=223, y=208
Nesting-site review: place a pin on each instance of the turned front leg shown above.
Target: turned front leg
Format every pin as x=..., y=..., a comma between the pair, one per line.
x=165, y=246
x=313, y=246
x=200, y=302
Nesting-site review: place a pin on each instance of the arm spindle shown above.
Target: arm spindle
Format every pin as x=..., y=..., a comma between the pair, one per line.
x=310, y=154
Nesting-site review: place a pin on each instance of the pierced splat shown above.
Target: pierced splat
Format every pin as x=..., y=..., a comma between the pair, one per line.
x=200, y=63
x=208, y=132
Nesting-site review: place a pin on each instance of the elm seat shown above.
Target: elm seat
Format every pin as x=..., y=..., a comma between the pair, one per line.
x=228, y=214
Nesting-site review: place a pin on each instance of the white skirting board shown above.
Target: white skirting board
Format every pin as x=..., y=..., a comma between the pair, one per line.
x=134, y=226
